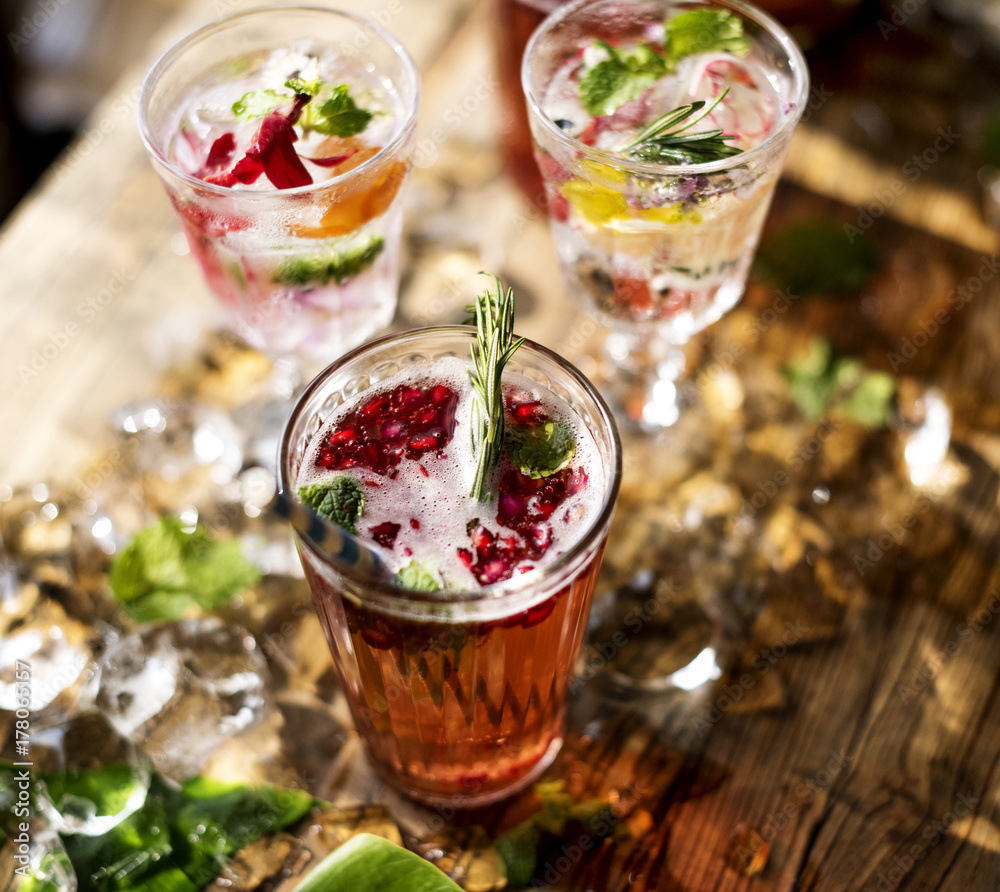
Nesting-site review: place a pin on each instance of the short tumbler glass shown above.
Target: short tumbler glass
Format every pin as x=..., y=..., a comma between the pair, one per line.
x=274, y=258
x=459, y=696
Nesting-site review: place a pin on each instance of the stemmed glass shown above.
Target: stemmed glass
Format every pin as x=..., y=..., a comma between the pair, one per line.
x=306, y=265
x=658, y=250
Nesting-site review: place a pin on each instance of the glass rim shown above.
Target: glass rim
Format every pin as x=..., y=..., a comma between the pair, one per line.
x=170, y=54
x=797, y=65
x=387, y=593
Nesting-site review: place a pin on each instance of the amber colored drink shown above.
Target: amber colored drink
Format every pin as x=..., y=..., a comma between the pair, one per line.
x=459, y=693
x=514, y=23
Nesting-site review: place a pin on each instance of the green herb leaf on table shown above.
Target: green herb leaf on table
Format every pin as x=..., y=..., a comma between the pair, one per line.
x=103, y=791
x=340, y=115
x=495, y=344
x=620, y=78
x=519, y=847
x=668, y=141
x=341, y=499
x=704, y=31
x=368, y=863
x=324, y=268
x=822, y=383
x=166, y=571
x=817, y=257
x=179, y=839
x=417, y=577
x=540, y=450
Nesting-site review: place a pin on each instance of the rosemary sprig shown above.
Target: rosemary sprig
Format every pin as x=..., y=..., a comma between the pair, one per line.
x=494, y=345
x=659, y=142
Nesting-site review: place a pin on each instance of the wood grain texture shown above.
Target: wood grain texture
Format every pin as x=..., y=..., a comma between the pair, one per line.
x=866, y=756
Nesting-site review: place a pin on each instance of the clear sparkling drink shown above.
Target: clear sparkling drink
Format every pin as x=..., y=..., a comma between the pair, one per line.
x=457, y=672
x=660, y=231
x=284, y=156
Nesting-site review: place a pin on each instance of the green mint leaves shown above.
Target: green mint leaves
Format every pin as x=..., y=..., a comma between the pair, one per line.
x=418, y=578
x=342, y=500
x=369, y=863
x=625, y=74
x=180, y=837
x=704, y=31
x=520, y=846
x=620, y=78
x=540, y=450
x=325, y=268
x=166, y=572
x=814, y=257
x=258, y=103
x=821, y=383
x=337, y=115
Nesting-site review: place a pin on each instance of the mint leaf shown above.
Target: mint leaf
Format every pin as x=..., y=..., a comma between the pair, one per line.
x=870, y=404
x=369, y=863
x=165, y=572
x=341, y=499
x=518, y=848
x=340, y=115
x=620, y=78
x=540, y=450
x=821, y=383
x=815, y=257
x=324, y=268
x=418, y=578
x=180, y=839
x=258, y=103
x=704, y=31
x=108, y=787
x=309, y=88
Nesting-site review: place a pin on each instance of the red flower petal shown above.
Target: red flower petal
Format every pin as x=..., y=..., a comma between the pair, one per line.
x=333, y=160
x=221, y=152
x=274, y=146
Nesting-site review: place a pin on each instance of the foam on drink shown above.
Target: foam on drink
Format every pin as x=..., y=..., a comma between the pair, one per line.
x=433, y=490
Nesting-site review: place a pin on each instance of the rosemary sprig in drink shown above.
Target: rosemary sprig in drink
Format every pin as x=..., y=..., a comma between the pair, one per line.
x=666, y=143
x=494, y=345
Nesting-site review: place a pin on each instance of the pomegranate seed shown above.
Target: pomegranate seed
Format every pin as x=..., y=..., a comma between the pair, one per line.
x=385, y=533
x=414, y=524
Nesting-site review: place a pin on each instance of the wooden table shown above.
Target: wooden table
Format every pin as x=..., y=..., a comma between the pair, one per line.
x=852, y=739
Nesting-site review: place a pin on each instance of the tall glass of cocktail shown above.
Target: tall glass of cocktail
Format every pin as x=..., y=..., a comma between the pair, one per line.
x=283, y=137
x=660, y=128
x=457, y=669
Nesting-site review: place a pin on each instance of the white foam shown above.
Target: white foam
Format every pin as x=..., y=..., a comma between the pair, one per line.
x=440, y=500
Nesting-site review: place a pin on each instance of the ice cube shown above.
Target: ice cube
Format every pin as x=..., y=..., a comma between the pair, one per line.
x=180, y=689
x=87, y=742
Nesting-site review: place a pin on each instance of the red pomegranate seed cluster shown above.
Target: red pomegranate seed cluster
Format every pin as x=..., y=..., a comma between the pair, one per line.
x=407, y=422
